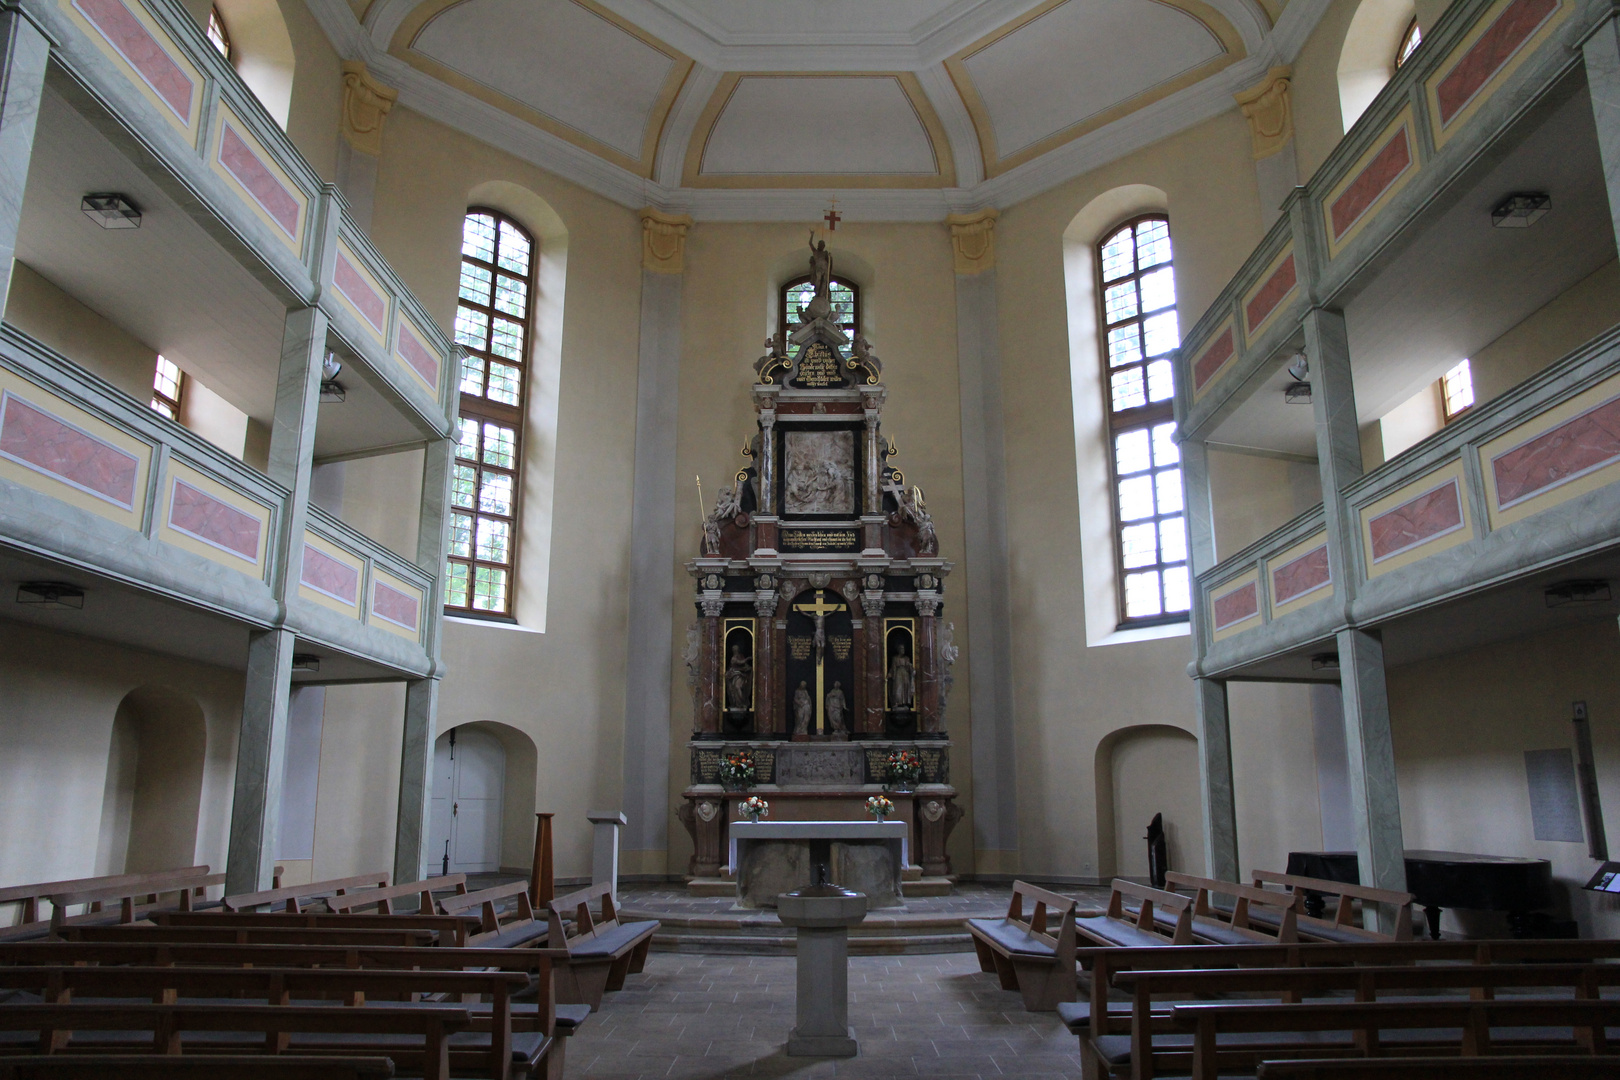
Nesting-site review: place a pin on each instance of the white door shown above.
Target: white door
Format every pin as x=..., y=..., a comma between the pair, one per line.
x=469, y=772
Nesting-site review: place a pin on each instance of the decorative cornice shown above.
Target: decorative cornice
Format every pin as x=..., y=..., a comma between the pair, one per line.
x=663, y=241
x=973, y=240
x=365, y=105
x=1269, y=110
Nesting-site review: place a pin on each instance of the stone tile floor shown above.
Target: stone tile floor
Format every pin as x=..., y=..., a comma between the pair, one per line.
x=729, y=1016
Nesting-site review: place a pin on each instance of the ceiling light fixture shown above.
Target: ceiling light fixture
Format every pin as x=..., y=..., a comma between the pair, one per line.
x=1328, y=661
x=306, y=662
x=1521, y=209
x=1298, y=392
x=111, y=210
x=1577, y=591
x=57, y=594
x=332, y=390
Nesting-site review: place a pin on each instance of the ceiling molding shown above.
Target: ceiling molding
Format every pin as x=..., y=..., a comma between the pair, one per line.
x=964, y=140
x=683, y=120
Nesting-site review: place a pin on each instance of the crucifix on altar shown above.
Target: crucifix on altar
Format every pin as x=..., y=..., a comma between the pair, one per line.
x=820, y=671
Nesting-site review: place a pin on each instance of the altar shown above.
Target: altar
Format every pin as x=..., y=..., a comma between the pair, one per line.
x=774, y=857
x=821, y=649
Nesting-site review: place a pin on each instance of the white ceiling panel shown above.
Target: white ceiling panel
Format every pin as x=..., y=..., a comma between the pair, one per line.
x=838, y=18
x=834, y=125
x=1079, y=59
x=558, y=58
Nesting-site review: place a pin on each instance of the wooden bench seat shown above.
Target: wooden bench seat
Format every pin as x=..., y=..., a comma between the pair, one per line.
x=1022, y=950
x=210, y=1067
x=505, y=917
x=602, y=950
x=246, y=935
x=452, y=929
x=294, y=897
x=1342, y=928
x=1534, y=1067
x=1117, y=926
x=1234, y=925
x=383, y=899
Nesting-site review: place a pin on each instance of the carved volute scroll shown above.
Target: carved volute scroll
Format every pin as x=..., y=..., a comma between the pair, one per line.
x=663, y=241
x=366, y=103
x=1269, y=110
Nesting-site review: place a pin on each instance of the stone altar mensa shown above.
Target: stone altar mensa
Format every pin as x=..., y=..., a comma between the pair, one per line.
x=820, y=642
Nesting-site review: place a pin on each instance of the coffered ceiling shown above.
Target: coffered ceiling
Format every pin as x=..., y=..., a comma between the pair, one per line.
x=740, y=109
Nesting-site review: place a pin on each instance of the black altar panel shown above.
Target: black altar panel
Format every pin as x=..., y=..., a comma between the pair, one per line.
x=838, y=657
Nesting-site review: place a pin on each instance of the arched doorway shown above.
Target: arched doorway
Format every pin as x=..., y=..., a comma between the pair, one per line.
x=1144, y=770
x=153, y=790
x=469, y=780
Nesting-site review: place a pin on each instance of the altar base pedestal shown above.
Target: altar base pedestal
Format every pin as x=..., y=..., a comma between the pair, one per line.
x=821, y=916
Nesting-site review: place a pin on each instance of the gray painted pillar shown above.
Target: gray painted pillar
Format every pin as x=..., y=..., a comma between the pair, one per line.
x=1374, y=802
x=1602, y=54
x=989, y=585
x=262, y=745
x=1215, y=781
x=23, y=53
x=650, y=652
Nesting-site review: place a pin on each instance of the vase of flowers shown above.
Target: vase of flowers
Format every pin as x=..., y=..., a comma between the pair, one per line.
x=879, y=807
x=904, y=770
x=737, y=771
x=753, y=808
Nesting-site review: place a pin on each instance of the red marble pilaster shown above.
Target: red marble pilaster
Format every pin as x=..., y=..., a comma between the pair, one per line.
x=871, y=718
x=708, y=710
x=927, y=668
x=764, y=676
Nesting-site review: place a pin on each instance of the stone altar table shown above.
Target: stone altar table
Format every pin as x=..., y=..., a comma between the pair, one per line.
x=773, y=857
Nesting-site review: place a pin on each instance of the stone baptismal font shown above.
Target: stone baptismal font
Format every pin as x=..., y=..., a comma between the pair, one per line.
x=820, y=644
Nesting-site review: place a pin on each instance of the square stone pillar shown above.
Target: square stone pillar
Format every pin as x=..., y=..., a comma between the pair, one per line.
x=605, y=826
x=23, y=53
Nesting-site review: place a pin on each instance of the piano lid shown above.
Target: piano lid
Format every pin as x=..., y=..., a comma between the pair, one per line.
x=1447, y=879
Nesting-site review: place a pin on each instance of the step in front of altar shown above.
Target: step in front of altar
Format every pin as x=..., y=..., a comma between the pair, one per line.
x=761, y=933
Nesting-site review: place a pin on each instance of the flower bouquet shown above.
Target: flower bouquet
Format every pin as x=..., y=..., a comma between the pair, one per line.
x=753, y=808
x=737, y=771
x=904, y=769
x=879, y=807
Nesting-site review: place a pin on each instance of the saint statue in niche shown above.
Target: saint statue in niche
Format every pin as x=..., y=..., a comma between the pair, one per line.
x=739, y=678
x=835, y=710
x=820, y=473
x=803, y=710
x=900, y=680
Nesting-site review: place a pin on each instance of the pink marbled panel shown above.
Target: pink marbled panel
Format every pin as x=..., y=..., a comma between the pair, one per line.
x=397, y=607
x=353, y=284
x=419, y=356
x=327, y=575
x=33, y=437
x=261, y=182
x=1416, y=521
x=1573, y=448
x=1488, y=55
x=1383, y=170
x=1277, y=286
x=1218, y=353
x=1237, y=605
x=1299, y=576
x=124, y=32
x=214, y=521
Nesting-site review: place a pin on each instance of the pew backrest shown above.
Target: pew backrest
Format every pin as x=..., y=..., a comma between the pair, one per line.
x=1343, y=921
x=293, y=897
x=383, y=899
x=509, y=902
x=1150, y=901
x=30, y=896
x=1283, y=908
x=133, y=899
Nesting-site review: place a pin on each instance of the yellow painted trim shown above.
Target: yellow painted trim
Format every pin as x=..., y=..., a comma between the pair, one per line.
x=1252, y=332
x=1250, y=576
x=1404, y=117
x=1304, y=600
x=216, y=130
x=1431, y=88
x=994, y=164
x=199, y=83
x=944, y=174
x=348, y=558
x=403, y=46
x=1452, y=470
x=1540, y=425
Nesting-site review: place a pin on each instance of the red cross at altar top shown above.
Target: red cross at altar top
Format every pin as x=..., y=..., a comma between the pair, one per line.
x=832, y=217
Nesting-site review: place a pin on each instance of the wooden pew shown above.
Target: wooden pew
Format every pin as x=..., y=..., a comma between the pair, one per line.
x=1536, y=1067
x=602, y=951
x=1365, y=1021
x=1116, y=927
x=383, y=899
x=420, y=1037
x=33, y=900
x=127, y=903
x=201, y=1067
x=452, y=929
x=296, y=935
x=1219, y=925
x=1342, y=928
x=294, y=897
x=520, y=926
x=1022, y=952
x=1150, y=1021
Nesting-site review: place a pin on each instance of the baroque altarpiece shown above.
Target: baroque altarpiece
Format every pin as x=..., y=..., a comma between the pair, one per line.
x=820, y=644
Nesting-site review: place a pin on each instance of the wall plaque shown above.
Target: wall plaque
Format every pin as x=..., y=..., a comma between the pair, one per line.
x=819, y=368
x=841, y=540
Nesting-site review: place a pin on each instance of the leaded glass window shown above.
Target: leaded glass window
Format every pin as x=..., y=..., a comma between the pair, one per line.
x=493, y=323
x=846, y=306
x=168, y=386
x=1409, y=43
x=1140, y=329
x=217, y=33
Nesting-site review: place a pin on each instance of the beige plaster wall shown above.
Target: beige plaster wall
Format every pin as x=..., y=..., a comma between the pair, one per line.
x=1256, y=493
x=357, y=794
x=1574, y=317
x=59, y=696
x=38, y=307
x=1461, y=725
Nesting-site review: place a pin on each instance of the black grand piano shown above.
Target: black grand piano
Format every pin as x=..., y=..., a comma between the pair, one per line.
x=1447, y=879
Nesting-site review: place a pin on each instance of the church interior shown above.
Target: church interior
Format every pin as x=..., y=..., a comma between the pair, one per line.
x=1150, y=460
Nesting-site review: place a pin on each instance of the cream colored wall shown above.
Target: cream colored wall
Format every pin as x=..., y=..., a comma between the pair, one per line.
x=1273, y=773
x=1257, y=493
x=59, y=695
x=357, y=794
x=908, y=311
x=1461, y=725
x=317, y=90
x=1574, y=317
x=36, y=306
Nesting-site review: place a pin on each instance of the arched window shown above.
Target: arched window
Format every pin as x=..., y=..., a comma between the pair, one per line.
x=218, y=34
x=1409, y=43
x=1139, y=329
x=493, y=318
x=846, y=305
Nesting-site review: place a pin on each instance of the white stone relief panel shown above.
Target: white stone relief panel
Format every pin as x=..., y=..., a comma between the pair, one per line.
x=820, y=474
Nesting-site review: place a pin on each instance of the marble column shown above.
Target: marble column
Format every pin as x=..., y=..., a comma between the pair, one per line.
x=366, y=103
x=927, y=663
x=989, y=577
x=765, y=690
x=650, y=649
x=767, y=462
x=870, y=722
x=24, y=51
x=710, y=665
x=1215, y=781
x=1601, y=52
x=1269, y=110
x=262, y=744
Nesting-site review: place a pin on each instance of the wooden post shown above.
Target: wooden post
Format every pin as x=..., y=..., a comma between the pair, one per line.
x=542, y=881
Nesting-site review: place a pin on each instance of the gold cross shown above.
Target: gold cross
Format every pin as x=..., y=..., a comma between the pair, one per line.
x=820, y=608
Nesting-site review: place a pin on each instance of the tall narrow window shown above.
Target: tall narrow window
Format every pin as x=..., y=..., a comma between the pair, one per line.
x=493, y=322
x=218, y=34
x=1409, y=43
x=846, y=305
x=1457, y=389
x=168, y=386
x=1139, y=331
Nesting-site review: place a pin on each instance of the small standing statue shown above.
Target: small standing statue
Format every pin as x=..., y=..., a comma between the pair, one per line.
x=835, y=710
x=820, y=305
x=739, y=677
x=803, y=710
x=900, y=680
x=727, y=505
